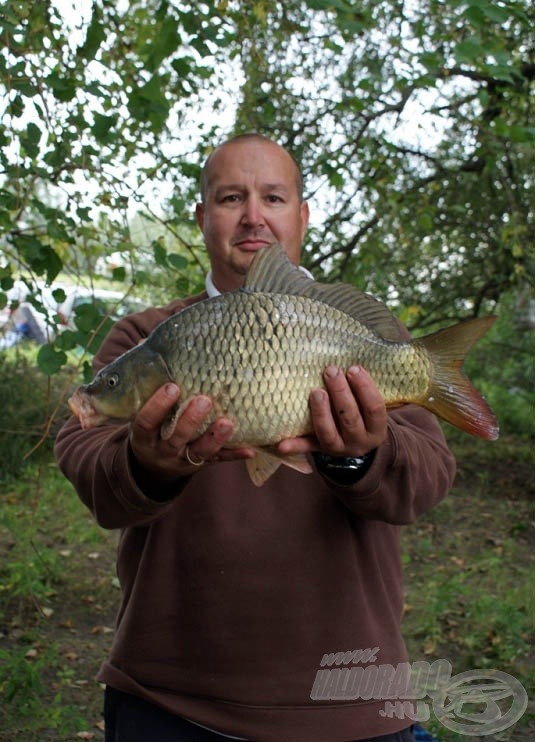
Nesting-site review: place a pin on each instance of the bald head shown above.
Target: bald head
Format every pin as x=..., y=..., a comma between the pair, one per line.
x=243, y=138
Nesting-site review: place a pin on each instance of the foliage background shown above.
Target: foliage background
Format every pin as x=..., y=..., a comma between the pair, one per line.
x=413, y=121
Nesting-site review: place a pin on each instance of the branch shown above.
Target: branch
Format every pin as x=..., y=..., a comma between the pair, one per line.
x=349, y=246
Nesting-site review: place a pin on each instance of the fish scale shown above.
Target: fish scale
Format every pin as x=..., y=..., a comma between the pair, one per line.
x=275, y=349
x=260, y=351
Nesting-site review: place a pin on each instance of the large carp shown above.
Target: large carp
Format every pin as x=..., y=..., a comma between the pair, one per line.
x=258, y=352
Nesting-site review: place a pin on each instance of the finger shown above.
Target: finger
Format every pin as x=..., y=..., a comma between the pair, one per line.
x=326, y=436
x=211, y=445
x=151, y=416
x=344, y=406
x=370, y=401
x=302, y=444
x=323, y=421
x=190, y=421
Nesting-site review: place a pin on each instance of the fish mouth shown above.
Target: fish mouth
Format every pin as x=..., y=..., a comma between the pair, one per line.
x=82, y=407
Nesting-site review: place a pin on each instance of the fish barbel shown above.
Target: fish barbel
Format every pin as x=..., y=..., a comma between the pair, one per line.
x=258, y=353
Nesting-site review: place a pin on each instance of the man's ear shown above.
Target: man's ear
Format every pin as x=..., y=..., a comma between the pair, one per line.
x=199, y=214
x=305, y=215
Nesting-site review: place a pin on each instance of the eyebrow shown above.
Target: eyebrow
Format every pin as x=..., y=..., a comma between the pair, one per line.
x=275, y=187
x=241, y=187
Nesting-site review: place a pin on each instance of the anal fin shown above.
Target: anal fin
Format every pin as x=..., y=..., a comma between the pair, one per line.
x=266, y=462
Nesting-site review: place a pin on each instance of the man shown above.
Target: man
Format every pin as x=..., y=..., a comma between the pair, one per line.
x=233, y=594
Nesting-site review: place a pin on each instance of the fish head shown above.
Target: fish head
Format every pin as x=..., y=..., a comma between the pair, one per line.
x=121, y=388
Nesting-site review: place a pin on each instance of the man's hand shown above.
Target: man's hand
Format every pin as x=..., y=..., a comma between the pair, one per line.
x=349, y=416
x=168, y=459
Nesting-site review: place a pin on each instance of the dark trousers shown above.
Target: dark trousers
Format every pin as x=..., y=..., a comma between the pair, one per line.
x=130, y=719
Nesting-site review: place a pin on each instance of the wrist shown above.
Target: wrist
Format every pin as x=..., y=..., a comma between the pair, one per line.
x=344, y=470
x=156, y=484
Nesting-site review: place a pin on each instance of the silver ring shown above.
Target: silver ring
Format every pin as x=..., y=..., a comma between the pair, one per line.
x=193, y=463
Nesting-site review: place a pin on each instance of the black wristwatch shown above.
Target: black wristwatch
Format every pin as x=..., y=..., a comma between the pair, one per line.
x=343, y=470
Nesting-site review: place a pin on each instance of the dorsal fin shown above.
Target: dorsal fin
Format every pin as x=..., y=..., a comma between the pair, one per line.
x=272, y=272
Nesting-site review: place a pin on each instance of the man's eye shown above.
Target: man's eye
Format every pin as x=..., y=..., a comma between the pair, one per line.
x=273, y=198
x=230, y=198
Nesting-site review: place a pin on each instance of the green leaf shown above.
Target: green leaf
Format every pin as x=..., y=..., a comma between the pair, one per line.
x=500, y=72
x=57, y=156
x=56, y=230
x=87, y=372
x=30, y=140
x=8, y=200
x=102, y=126
x=33, y=133
x=96, y=33
x=160, y=254
x=5, y=220
x=59, y=295
x=321, y=4
x=149, y=103
x=42, y=258
x=25, y=87
x=83, y=213
x=16, y=107
x=6, y=279
x=190, y=170
x=178, y=262
x=495, y=12
x=118, y=273
x=87, y=317
x=168, y=40
x=469, y=50
x=66, y=340
x=63, y=88
x=141, y=278
x=182, y=285
x=475, y=15
x=50, y=360
x=182, y=66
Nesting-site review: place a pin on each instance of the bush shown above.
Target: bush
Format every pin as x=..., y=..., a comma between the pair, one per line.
x=502, y=366
x=32, y=411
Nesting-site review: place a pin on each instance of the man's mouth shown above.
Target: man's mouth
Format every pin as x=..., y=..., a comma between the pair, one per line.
x=252, y=244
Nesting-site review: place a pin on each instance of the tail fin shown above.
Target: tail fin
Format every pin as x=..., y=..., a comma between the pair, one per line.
x=451, y=395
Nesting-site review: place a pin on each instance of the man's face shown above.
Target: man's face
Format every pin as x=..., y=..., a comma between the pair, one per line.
x=251, y=201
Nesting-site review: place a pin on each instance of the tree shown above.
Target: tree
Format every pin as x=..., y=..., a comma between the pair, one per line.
x=412, y=121
x=88, y=107
x=414, y=124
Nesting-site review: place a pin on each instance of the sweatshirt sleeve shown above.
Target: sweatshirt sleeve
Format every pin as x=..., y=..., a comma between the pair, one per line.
x=411, y=472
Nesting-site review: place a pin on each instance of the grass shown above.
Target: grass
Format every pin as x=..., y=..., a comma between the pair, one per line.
x=56, y=581
x=467, y=571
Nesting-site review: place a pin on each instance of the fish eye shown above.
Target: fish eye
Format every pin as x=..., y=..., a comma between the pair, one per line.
x=112, y=380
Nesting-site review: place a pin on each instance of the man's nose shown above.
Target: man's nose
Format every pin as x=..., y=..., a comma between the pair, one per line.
x=252, y=214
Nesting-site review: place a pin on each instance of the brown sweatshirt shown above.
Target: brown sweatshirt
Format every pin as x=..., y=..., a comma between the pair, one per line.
x=232, y=595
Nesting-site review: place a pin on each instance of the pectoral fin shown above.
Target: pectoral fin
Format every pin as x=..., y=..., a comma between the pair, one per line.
x=169, y=424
